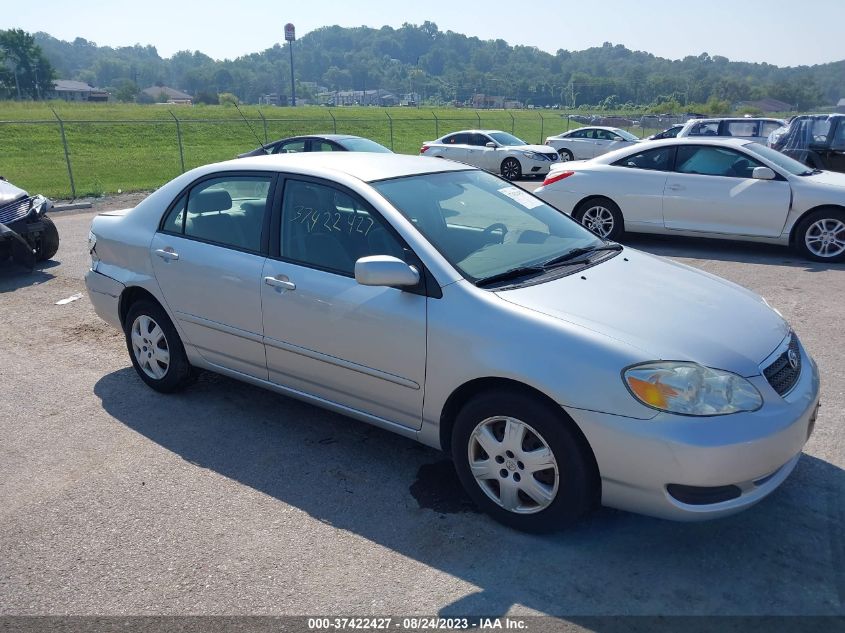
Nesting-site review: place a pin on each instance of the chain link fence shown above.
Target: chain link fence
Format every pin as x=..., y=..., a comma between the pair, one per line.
x=72, y=158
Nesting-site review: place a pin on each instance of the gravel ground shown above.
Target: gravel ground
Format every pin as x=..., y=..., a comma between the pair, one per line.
x=227, y=499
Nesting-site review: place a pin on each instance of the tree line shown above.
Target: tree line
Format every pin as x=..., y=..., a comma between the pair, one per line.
x=442, y=67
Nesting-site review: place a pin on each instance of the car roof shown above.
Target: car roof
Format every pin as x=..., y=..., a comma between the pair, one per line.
x=474, y=132
x=365, y=166
x=642, y=146
x=331, y=137
x=717, y=119
x=609, y=128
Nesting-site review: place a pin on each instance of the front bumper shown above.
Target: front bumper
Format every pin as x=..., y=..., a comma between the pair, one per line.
x=753, y=452
x=104, y=293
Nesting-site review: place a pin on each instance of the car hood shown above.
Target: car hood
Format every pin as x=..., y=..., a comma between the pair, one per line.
x=541, y=149
x=9, y=193
x=668, y=310
x=829, y=178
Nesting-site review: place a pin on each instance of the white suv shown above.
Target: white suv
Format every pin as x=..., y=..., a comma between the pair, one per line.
x=752, y=129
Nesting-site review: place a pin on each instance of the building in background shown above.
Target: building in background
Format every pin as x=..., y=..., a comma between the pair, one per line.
x=70, y=90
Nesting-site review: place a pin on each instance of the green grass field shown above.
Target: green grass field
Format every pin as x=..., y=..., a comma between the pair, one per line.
x=116, y=147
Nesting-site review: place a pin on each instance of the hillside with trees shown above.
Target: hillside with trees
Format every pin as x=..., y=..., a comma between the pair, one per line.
x=447, y=67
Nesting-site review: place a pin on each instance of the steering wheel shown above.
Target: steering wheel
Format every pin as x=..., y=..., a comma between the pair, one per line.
x=488, y=232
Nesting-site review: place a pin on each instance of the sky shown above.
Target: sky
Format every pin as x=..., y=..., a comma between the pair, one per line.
x=773, y=31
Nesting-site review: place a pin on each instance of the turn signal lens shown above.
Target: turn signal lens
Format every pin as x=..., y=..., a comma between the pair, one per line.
x=554, y=177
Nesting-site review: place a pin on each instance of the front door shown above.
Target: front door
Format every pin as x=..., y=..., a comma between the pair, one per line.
x=208, y=259
x=328, y=336
x=712, y=191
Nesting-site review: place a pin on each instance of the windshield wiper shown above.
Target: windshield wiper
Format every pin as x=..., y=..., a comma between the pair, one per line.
x=513, y=273
x=570, y=257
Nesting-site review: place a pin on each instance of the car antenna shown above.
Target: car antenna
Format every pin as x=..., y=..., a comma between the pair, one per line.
x=251, y=129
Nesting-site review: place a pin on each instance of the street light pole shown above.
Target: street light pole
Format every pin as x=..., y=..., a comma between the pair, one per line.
x=290, y=36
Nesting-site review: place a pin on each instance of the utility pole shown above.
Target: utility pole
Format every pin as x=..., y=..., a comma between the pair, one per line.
x=290, y=36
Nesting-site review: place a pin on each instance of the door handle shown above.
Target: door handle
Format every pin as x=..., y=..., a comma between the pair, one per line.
x=674, y=187
x=284, y=284
x=167, y=255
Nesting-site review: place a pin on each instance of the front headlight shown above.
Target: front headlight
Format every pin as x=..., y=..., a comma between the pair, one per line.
x=92, y=249
x=691, y=389
x=533, y=155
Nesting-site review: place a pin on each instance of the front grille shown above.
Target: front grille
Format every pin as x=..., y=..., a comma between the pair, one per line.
x=15, y=210
x=781, y=374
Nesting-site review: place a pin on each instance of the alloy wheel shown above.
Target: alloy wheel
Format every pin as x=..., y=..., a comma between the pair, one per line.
x=513, y=464
x=826, y=237
x=599, y=220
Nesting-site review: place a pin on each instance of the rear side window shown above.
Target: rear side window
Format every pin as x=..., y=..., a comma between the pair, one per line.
x=456, y=139
x=744, y=129
x=705, y=129
x=653, y=159
x=228, y=211
x=767, y=127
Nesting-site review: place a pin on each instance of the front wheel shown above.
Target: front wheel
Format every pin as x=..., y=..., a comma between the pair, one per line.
x=511, y=169
x=820, y=235
x=155, y=348
x=48, y=243
x=522, y=462
x=565, y=155
x=602, y=216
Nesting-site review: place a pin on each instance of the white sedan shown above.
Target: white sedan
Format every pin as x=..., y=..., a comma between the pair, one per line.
x=496, y=151
x=589, y=142
x=725, y=188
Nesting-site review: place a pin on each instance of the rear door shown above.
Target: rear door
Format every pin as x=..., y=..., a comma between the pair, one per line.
x=834, y=156
x=711, y=190
x=455, y=147
x=208, y=256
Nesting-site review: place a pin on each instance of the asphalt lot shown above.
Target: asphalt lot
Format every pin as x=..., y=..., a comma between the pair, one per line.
x=227, y=499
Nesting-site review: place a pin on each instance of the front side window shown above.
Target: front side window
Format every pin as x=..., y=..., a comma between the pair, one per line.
x=324, y=146
x=291, y=147
x=714, y=161
x=654, y=159
x=326, y=228
x=507, y=140
x=482, y=225
x=229, y=211
x=767, y=127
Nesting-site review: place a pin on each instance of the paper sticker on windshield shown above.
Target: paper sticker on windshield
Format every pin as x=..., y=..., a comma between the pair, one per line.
x=521, y=196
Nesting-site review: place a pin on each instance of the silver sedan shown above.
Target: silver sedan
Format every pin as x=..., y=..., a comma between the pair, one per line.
x=442, y=303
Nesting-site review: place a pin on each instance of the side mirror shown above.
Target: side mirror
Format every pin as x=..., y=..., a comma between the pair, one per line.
x=491, y=145
x=384, y=270
x=763, y=173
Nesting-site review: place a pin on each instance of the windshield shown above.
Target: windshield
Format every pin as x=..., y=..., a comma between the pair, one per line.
x=626, y=135
x=363, y=145
x=483, y=225
x=503, y=138
x=781, y=160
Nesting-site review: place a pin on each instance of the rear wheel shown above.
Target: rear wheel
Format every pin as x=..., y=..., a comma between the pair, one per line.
x=511, y=169
x=820, y=235
x=601, y=216
x=155, y=348
x=48, y=243
x=522, y=462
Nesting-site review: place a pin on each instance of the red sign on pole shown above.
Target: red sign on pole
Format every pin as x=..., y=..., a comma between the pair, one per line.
x=290, y=32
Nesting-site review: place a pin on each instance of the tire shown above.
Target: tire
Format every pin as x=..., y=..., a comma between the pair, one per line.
x=155, y=348
x=48, y=244
x=511, y=169
x=820, y=235
x=565, y=490
x=565, y=155
x=602, y=216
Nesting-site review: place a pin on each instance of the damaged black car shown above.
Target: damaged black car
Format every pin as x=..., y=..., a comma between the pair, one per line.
x=27, y=235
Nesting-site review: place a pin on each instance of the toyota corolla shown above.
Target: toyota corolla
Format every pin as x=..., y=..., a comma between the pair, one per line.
x=440, y=302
